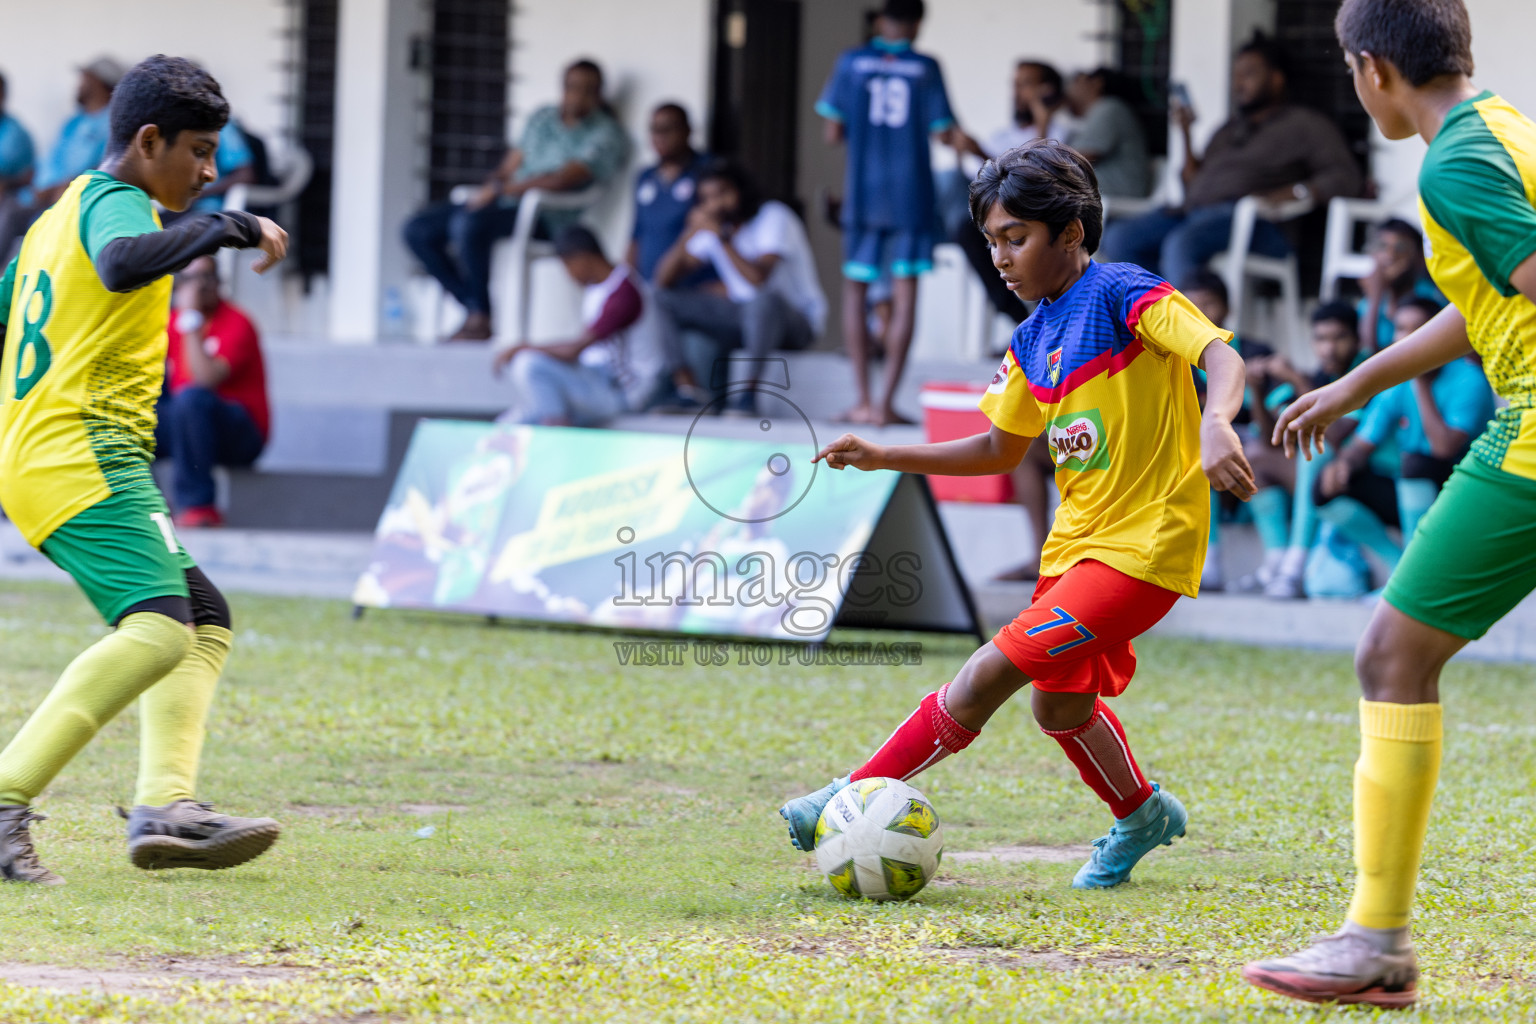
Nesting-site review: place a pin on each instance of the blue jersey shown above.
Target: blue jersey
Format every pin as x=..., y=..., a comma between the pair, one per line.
x=661, y=211
x=888, y=100
x=1461, y=393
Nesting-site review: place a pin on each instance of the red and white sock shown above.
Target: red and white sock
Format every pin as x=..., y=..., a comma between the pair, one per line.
x=927, y=737
x=1103, y=757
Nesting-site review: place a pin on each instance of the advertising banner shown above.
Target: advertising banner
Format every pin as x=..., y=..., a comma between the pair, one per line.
x=658, y=532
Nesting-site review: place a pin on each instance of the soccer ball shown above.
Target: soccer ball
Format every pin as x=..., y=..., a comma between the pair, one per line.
x=879, y=839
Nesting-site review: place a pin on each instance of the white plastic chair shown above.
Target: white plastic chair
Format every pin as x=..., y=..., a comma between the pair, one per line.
x=297, y=168
x=1238, y=264
x=1340, y=257
x=1128, y=206
x=521, y=249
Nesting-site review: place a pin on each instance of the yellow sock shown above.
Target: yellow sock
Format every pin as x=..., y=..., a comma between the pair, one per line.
x=171, y=719
x=1394, y=787
x=98, y=684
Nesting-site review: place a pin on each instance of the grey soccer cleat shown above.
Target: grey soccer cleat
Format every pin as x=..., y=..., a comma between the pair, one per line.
x=18, y=860
x=189, y=834
x=1346, y=967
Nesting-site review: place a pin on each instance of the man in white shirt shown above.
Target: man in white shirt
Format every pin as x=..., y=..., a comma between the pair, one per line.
x=616, y=364
x=768, y=297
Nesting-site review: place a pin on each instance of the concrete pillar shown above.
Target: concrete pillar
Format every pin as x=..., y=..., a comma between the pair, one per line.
x=376, y=184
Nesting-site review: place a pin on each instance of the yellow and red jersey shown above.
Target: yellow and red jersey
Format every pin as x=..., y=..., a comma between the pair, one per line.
x=1103, y=372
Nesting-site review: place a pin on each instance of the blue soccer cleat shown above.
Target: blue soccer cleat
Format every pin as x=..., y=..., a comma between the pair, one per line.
x=804, y=812
x=1158, y=822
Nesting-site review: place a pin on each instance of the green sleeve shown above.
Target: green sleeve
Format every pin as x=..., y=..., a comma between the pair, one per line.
x=112, y=209
x=7, y=287
x=1473, y=189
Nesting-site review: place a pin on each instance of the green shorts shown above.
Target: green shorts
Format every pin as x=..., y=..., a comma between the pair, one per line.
x=1473, y=557
x=122, y=551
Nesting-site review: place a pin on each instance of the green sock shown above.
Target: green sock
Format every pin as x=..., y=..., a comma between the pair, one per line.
x=1271, y=516
x=1362, y=526
x=1303, y=512
x=1413, y=499
x=98, y=684
x=171, y=717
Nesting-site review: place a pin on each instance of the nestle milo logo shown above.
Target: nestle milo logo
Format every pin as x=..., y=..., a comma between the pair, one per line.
x=1076, y=441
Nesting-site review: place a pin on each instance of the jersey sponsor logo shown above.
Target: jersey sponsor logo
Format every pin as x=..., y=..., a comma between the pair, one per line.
x=1053, y=366
x=683, y=190
x=999, y=379
x=1076, y=441
x=646, y=195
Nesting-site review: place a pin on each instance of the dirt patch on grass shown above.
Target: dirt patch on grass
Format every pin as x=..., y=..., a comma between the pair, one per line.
x=426, y=809
x=1021, y=854
x=982, y=956
x=154, y=977
x=1045, y=959
x=323, y=810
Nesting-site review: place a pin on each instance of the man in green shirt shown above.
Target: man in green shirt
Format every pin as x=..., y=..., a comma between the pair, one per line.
x=563, y=148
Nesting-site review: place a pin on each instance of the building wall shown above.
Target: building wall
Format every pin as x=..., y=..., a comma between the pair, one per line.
x=241, y=43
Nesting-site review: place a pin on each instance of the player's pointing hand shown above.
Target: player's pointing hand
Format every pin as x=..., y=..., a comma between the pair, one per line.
x=1305, y=421
x=851, y=450
x=273, y=245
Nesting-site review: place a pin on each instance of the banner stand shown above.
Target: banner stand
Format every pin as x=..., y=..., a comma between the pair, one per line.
x=652, y=534
x=910, y=528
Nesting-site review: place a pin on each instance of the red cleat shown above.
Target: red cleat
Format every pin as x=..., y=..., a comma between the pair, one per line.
x=198, y=517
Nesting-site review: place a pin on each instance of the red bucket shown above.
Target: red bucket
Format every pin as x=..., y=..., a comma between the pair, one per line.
x=949, y=412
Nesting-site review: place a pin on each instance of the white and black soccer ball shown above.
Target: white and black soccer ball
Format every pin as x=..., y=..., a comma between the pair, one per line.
x=879, y=839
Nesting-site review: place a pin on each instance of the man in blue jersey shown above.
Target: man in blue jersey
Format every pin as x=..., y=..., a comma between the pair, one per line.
x=884, y=100
x=664, y=192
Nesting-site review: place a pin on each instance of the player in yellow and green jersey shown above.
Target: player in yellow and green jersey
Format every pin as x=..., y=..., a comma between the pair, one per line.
x=1473, y=556
x=83, y=314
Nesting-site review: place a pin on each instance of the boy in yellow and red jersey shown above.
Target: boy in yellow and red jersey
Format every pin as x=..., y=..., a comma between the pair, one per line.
x=1102, y=368
x=1473, y=556
x=83, y=314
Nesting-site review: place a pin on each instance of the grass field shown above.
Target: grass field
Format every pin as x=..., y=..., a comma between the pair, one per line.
x=490, y=824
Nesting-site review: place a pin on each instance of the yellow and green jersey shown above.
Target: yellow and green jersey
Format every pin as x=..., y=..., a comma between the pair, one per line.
x=83, y=366
x=1477, y=195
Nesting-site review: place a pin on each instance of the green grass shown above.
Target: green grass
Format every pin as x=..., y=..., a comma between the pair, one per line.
x=605, y=845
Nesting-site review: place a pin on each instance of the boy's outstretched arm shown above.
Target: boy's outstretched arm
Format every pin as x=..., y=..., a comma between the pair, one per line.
x=1221, y=450
x=131, y=261
x=1306, y=420
x=997, y=451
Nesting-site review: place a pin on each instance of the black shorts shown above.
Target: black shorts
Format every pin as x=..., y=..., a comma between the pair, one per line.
x=1376, y=492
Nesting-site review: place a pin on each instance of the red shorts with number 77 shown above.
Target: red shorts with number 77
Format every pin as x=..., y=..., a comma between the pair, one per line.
x=1076, y=636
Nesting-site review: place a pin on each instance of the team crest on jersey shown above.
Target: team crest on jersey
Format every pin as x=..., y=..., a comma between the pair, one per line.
x=1053, y=365
x=1076, y=441
x=999, y=379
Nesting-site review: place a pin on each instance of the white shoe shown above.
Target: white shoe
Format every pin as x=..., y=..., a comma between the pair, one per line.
x=1346, y=967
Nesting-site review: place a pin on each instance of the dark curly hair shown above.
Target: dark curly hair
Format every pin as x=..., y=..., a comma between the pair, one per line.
x=171, y=93
x=1042, y=180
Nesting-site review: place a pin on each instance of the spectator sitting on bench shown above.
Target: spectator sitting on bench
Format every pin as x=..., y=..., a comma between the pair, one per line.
x=1398, y=275
x=17, y=164
x=1270, y=148
x=563, y=148
x=615, y=365
x=1432, y=418
x=214, y=412
x=771, y=299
